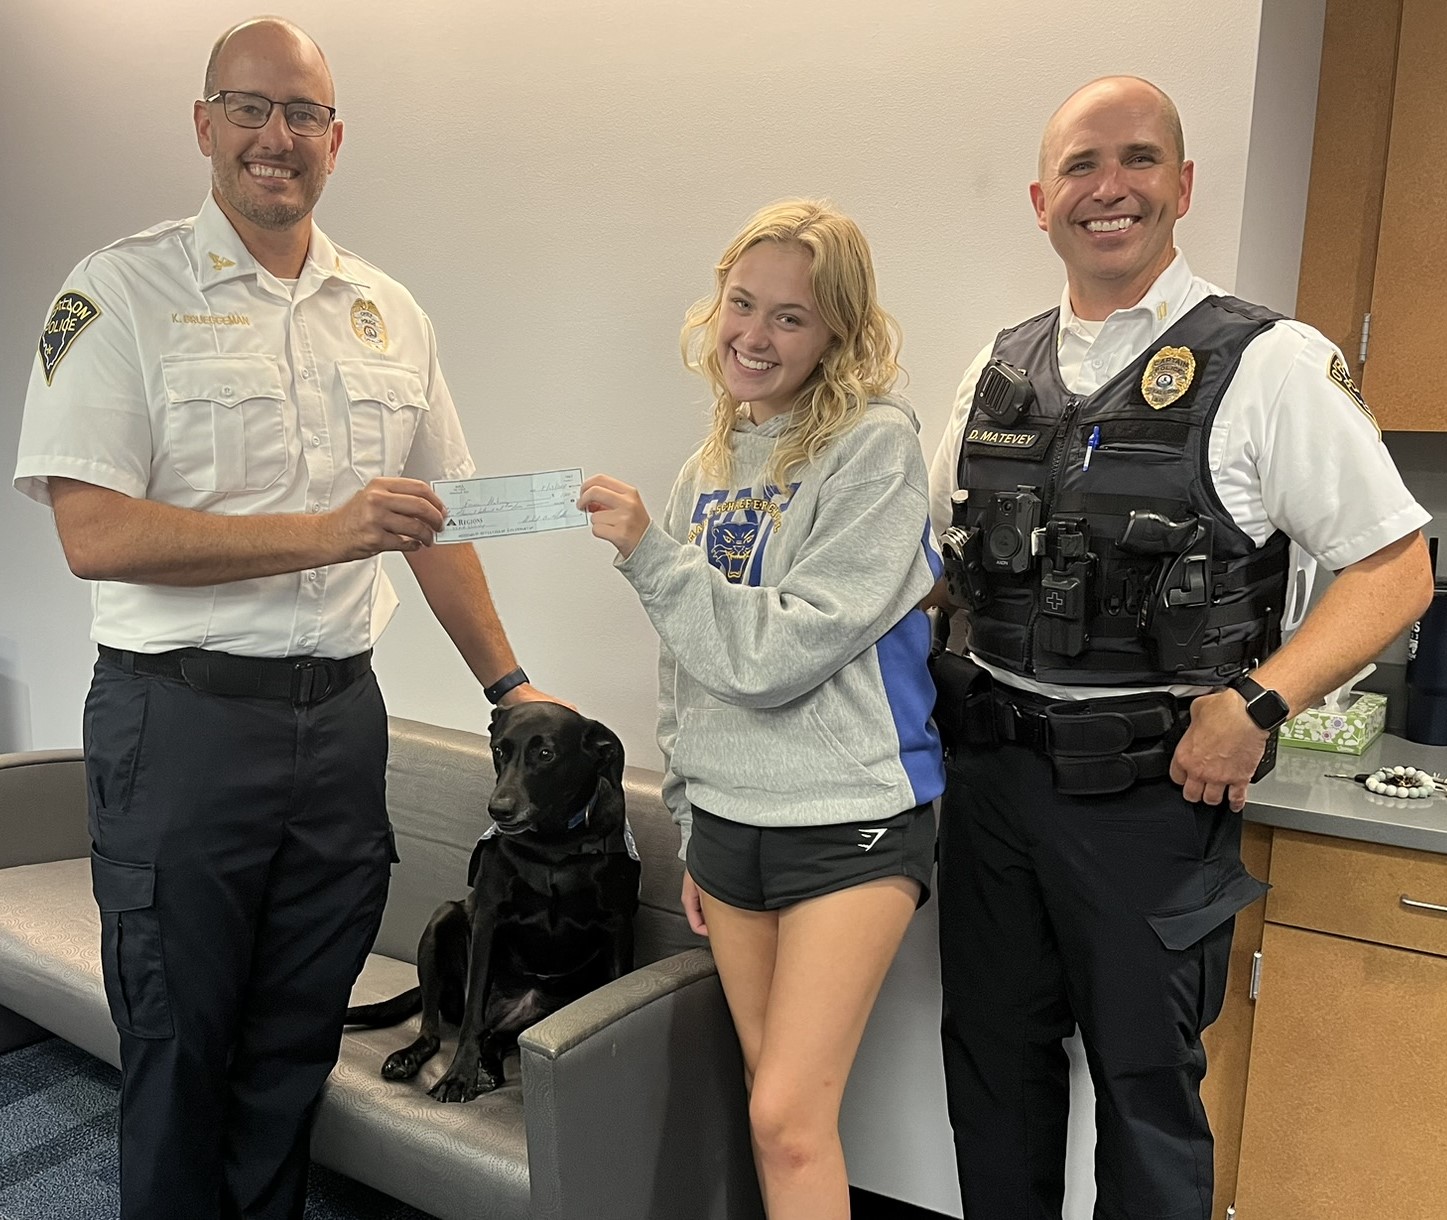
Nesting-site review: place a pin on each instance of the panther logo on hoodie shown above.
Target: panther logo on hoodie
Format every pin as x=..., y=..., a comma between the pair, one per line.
x=735, y=527
x=730, y=547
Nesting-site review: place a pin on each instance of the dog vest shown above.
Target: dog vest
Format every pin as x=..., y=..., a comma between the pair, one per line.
x=617, y=841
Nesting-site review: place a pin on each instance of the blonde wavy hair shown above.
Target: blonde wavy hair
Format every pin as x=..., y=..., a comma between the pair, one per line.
x=860, y=362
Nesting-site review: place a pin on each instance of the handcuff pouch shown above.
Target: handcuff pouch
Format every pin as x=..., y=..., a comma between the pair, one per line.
x=964, y=708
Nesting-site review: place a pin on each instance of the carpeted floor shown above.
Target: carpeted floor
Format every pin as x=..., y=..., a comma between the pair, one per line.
x=58, y=1145
x=58, y=1149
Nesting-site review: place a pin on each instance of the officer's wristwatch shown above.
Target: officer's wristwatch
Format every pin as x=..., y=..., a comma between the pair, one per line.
x=1267, y=709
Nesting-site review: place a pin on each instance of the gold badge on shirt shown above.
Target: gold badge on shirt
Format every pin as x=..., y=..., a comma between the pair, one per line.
x=219, y=262
x=1342, y=379
x=368, y=326
x=1168, y=375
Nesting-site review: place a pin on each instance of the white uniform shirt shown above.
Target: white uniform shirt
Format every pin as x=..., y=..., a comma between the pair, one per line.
x=175, y=368
x=1289, y=448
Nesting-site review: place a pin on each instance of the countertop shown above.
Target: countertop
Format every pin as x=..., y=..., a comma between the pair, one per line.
x=1297, y=795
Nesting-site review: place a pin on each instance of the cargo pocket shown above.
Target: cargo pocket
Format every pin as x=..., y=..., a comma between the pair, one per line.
x=132, y=958
x=1205, y=933
x=384, y=405
x=226, y=421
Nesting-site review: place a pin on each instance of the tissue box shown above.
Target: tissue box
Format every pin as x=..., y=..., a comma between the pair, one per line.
x=1344, y=732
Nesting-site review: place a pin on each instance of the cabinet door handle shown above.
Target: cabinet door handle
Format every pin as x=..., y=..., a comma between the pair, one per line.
x=1423, y=906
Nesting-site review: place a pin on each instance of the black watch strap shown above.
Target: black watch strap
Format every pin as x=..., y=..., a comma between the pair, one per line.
x=1267, y=709
x=498, y=689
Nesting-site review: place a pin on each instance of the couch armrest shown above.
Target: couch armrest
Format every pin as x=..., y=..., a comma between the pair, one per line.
x=43, y=813
x=634, y=1102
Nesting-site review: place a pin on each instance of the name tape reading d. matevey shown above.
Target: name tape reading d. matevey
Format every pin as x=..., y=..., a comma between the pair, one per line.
x=510, y=504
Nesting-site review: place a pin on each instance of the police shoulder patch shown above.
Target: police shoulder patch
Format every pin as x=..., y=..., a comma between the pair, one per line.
x=1341, y=377
x=72, y=313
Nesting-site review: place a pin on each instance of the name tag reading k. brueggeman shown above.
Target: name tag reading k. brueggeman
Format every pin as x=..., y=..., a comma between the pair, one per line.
x=510, y=504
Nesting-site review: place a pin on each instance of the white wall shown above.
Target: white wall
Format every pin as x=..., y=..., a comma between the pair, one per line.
x=554, y=180
x=1278, y=167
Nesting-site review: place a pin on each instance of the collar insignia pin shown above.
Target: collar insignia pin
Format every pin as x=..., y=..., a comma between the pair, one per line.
x=218, y=263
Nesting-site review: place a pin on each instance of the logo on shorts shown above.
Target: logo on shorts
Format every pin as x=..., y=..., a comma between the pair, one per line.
x=871, y=835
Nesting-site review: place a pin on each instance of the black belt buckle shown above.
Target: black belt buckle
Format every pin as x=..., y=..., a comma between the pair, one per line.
x=311, y=682
x=1022, y=725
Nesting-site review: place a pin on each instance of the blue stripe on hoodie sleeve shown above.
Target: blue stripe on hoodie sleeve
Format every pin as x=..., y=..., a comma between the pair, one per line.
x=903, y=653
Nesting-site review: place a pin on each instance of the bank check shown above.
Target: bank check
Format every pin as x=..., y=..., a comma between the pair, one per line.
x=510, y=504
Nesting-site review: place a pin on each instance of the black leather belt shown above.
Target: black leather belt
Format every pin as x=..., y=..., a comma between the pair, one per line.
x=300, y=681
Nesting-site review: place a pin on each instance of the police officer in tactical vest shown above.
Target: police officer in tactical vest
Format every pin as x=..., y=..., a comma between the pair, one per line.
x=1117, y=492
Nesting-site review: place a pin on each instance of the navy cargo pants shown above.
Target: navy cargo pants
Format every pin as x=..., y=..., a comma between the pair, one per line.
x=1113, y=913
x=240, y=863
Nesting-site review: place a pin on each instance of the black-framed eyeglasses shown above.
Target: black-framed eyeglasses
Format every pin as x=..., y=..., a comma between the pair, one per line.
x=254, y=110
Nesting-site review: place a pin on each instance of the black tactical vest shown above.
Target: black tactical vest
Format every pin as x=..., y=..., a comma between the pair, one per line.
x=1126, y=570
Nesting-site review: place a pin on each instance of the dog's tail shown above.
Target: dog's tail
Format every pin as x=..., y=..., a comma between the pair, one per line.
x=387, y=1012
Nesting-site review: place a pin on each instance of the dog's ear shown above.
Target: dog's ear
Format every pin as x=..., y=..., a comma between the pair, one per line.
x=603, y=744
x=499, y=714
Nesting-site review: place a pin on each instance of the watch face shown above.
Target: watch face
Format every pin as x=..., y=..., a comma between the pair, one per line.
x=1269, y=710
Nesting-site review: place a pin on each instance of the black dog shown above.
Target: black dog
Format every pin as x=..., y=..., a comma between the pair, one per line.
x=550, y=915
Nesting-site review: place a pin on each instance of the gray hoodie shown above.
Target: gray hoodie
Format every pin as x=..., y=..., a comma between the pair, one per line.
x=793, y=688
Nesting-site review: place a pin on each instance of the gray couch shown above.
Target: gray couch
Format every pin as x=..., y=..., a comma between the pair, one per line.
x=627, y=1105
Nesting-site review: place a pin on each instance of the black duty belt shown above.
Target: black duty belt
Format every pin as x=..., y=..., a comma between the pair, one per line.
x=300, y=681
x=1096, y=746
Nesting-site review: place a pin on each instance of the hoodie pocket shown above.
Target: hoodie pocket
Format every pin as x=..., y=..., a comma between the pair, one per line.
x=783, y=752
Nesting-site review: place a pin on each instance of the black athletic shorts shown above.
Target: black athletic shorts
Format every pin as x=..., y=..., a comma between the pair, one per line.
x=758, y=868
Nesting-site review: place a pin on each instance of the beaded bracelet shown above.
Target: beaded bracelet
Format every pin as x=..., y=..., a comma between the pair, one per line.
x=1405, y=783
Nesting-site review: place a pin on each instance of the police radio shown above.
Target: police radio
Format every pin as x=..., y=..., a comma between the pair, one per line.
x=1003, y=392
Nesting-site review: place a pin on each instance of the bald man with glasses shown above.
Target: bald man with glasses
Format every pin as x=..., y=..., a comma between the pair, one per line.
x=232, y=418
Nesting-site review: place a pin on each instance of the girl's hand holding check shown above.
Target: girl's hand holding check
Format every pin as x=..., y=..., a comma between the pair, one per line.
x=615, y=510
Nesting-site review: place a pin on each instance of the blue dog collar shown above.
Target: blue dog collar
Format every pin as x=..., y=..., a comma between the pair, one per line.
x=583, y=815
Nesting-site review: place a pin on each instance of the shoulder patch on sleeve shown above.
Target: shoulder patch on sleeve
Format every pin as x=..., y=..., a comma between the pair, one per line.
x=73, y=312
x=1337, y=372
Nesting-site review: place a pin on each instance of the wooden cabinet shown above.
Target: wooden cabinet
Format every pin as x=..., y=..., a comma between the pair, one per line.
x=1228, y=1040
x=1346, y=1096
x=1374, y=240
